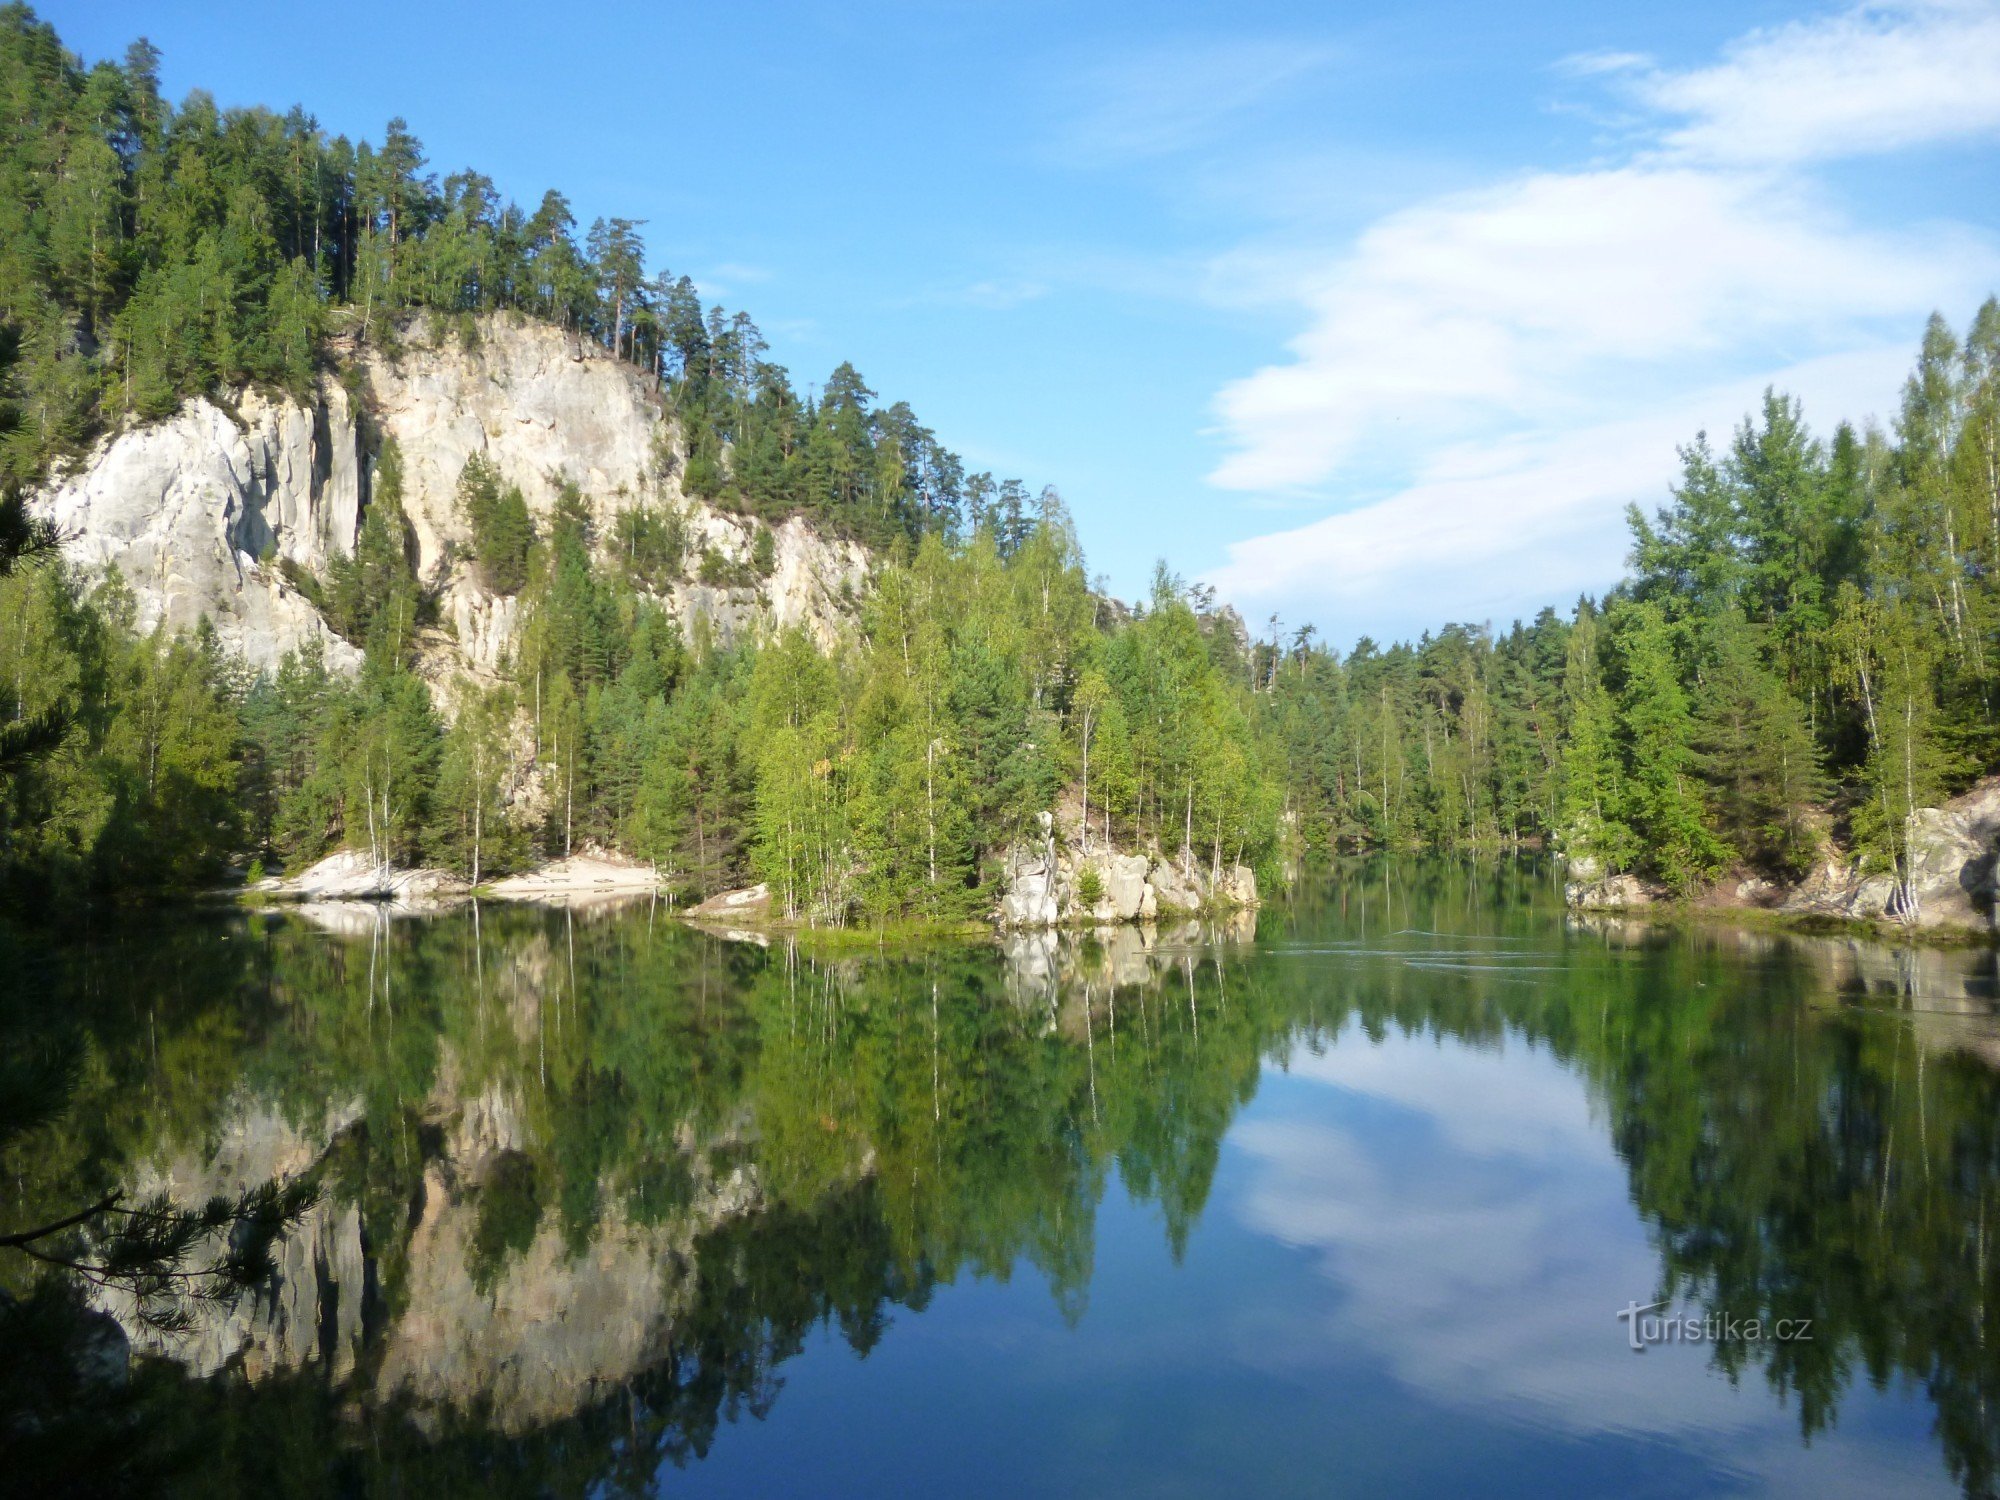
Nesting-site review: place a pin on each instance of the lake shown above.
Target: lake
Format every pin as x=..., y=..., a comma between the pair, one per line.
x=1376, y=1192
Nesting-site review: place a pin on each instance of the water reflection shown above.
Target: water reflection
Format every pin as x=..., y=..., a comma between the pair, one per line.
x=596, y=1180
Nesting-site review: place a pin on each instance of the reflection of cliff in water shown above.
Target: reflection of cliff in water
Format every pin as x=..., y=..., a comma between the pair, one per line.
x=1949, y=996
x=494, y=1302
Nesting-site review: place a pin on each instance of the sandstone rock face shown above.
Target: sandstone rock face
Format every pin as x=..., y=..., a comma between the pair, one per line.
x=750, y=904
x=1610, y=893
x=350, y=875
x=1953, y=854
x=1044, y=886
x=198, y=511
x=195, y=511
x=1952, y=858
x=1034, y=893
x=1122, y=878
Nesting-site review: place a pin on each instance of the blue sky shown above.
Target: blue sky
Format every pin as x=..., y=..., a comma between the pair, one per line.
x=1373, y=315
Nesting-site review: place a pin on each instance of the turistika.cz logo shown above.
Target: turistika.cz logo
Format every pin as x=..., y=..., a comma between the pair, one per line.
x=1643, y=1329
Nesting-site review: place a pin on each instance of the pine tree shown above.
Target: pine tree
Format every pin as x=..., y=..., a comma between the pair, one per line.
x=1662, y=801
x=1754, y=751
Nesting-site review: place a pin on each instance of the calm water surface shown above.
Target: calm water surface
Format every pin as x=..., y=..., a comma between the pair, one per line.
x=1344, y=1201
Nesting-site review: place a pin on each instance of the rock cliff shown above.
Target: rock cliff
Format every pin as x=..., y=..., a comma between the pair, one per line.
x=206, y=513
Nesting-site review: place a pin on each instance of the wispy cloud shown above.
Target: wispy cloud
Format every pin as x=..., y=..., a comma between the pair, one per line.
x=992, y=293
x=1176, y=96
x=728, y=278
x=1875, y=79
x=1513, y=300
x=1509, y=352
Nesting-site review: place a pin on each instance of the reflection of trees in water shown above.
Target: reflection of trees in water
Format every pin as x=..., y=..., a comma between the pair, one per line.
x=905, y=1121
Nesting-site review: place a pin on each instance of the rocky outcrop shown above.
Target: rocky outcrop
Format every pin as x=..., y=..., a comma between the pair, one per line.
x=1608, y=892
x=592, y=876
x=1047, y=885
x=1951, y=886
x=1951, y=874
x=750, y=904
x=350, y=875
x=214, y=511
x=196, y=512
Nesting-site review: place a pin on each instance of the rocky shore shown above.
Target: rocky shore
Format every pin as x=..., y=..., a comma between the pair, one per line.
x=1954, y=856
x=351, y=875
x=1046, y=883
x=1052, y=884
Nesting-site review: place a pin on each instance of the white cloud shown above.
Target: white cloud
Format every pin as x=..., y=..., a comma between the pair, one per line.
x=1492, y=530
x=998, y=293
x=1516, y=299
x=1499, y=368
x=1595, y=64
x=1877, y=78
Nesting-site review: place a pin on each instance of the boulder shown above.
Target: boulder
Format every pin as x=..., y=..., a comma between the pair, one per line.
x=1032, y=889
x=1175, y=889
x=1237, y=886
x=1952, y=861
x=749, y=904
x=1756, y=891
x=1612, y=892
x=1122, y=879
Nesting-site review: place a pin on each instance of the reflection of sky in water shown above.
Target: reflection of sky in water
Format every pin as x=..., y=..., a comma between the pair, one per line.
x=1473, y=1222
x=1404, y=1281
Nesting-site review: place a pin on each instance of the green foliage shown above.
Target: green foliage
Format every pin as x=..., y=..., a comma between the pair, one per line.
x=650, y=544
x=371, y=596
x=502, y=531
x=1662, y=797
x=1754, y=751
x=135, y=787
x=1808, y=644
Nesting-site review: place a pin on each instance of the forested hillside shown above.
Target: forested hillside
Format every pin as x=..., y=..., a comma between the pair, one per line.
x=1807, y=646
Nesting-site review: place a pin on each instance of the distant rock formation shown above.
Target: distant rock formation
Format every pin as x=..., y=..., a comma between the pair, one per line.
x=217, y=511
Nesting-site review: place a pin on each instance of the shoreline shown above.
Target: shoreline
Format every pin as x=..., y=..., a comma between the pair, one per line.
x=1681, y=913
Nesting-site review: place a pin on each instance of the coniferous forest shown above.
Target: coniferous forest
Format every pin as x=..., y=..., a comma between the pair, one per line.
x=1806, y=646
